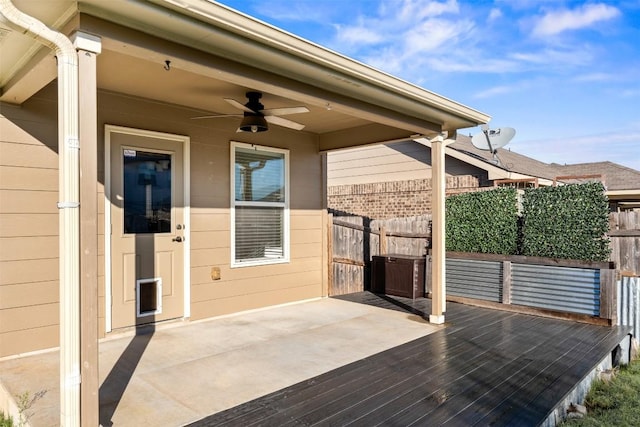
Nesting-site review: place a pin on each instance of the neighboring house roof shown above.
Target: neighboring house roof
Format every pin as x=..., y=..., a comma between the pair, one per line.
x=509, y=160
x=615, y=177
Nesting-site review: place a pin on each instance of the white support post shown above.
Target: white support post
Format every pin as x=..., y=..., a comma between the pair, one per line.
x=438, y=184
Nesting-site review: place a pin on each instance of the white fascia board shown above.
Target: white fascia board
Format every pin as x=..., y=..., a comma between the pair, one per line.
x=622, y=194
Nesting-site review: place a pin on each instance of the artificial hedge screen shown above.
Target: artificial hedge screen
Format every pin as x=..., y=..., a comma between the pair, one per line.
x=568, y=222
x=484, y=222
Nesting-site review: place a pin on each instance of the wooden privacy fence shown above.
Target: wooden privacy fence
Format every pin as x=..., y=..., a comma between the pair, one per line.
x=624, y=232
x=581, y=290
x=353, y=240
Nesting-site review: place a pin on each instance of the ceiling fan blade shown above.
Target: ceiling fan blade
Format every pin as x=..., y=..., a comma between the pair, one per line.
x=215, y=116
x=284, y=122
x=238, y=105
x=285, y=111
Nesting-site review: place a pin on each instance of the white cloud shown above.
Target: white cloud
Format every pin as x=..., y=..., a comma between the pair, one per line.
x=435, y=33
x=555, y=58
x=416, y=10
x=494, y=14
x=585, y=16
x=459, y=62
x=594, y=77
x=630, y=93
x=404, y=35
x=358, y=35
x=495, y=91
x=295, y=11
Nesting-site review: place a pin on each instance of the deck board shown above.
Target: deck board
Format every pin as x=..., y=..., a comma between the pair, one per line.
x=486, y=367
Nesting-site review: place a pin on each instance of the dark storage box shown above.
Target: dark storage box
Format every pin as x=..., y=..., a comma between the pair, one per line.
x=399, y=275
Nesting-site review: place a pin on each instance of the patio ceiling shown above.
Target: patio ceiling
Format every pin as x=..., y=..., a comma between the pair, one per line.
x=217, y=53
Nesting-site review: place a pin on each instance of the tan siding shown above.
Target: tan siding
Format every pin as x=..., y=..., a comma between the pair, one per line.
x=23, y=224
x=306, y=250
x=203, y=219
x=392, y=162
x=22, y=318
x=306, y=236
x=210, y=239
x=210, y=257
x=29, y=288
x=218, y=307
x=247, y=287
x=23, y=178
x=28, y=198
x=23, y=341
x=402, y=161
x=28, y=248
x=29, y=156
x=37, y=130
x=21, y=202
x=38, y=292
x=28, y=271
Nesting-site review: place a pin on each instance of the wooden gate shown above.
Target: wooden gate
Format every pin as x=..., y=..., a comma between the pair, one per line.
x=625, y=241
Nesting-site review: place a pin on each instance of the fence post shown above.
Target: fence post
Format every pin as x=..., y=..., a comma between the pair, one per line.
x=608, y=295
x=382, y=250
x=427, y=275
x=506, y=282
x=330, y=254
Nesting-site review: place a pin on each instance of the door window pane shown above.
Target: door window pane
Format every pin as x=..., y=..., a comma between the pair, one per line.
x=147, y=192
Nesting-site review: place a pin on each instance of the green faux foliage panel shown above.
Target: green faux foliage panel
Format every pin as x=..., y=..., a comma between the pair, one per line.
x=566, y=222
x=483, y=222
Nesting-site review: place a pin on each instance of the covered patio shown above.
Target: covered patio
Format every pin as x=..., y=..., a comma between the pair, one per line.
x=363, y=358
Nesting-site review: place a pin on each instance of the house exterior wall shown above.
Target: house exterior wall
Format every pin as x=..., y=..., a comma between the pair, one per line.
x=392, y=180
x=29, y=217
x=28, y=226
x=400, y=161
x=394, y=199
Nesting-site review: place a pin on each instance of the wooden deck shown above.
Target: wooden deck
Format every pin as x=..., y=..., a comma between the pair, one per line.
x=487, y=367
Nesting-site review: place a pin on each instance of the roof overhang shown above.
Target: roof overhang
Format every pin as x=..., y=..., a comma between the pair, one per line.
x=352, y=103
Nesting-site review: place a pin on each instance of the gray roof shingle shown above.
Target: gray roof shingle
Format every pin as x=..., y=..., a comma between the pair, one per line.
x=616, y=177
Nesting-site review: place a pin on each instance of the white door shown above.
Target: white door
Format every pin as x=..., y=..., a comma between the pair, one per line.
x=147, y=207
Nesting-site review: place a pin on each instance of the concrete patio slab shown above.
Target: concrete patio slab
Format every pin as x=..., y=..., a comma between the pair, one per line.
x=183, y=372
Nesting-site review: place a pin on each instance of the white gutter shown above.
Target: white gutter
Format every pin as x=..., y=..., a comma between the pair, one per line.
x=69, y=226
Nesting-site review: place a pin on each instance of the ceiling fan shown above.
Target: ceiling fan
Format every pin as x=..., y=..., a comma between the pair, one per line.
x=255, y=118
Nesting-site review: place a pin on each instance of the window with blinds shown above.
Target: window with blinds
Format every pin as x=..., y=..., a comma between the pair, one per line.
x=259, y=205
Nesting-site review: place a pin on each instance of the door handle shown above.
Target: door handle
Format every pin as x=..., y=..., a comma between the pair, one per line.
x=177, y=239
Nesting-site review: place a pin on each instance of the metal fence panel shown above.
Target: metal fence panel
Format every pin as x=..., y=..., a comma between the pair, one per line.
x=574, y=290
x=629, y=303
x=474, y=279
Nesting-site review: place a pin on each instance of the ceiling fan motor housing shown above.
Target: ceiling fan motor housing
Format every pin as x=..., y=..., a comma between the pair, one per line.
x=254, y=102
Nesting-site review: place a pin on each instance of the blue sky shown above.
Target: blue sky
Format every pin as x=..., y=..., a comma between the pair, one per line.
x=564, y=74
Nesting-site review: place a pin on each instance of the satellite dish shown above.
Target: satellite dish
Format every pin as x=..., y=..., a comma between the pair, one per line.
x=492, y=139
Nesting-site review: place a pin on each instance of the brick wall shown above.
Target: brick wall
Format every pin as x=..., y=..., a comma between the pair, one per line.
x=383, y=200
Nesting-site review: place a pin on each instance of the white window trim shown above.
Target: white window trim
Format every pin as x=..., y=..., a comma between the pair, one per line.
x=234, y=203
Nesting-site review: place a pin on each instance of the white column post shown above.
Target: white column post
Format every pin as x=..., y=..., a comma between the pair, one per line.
x=438, y=185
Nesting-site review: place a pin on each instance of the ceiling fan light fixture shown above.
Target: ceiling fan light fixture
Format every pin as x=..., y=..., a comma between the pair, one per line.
x=253, y=123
